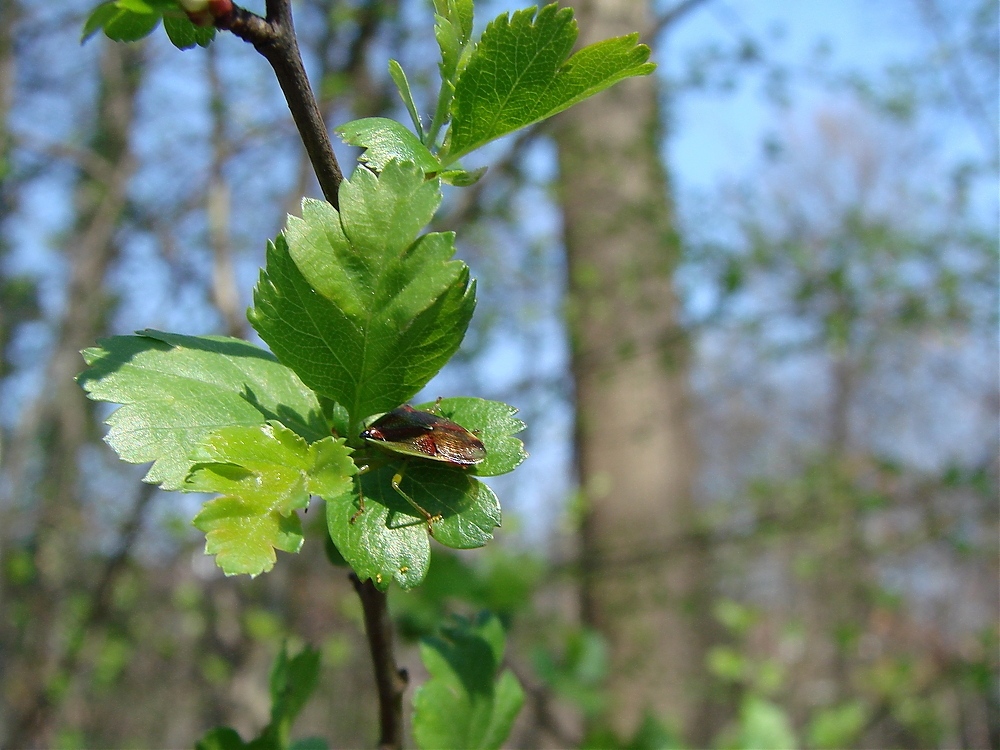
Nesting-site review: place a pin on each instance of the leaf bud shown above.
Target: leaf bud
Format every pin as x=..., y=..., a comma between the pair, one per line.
x=205, y=12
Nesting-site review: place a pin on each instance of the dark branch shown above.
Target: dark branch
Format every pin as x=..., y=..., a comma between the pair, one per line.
x=389, y=679
x=274, y=38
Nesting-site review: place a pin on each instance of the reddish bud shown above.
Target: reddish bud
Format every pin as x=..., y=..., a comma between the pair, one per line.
x=220, y=8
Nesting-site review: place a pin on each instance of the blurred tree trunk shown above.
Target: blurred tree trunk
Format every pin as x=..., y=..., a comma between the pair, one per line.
x=643, y=578
x=63, y=422
x=18, y=295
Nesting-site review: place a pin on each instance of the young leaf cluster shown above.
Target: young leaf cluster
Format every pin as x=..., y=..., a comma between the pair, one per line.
x=131, y=20
x=360, y=309
x=518, y=73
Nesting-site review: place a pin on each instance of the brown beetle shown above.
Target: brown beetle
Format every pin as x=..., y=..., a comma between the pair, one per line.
x=422, y=434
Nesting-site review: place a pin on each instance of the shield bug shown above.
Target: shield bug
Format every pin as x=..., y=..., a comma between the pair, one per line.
x=422, y=434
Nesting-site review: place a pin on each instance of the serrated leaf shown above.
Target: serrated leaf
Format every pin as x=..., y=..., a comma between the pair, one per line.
x=242, y=531
x=379, y=544
x=519, y=74
x=175, y=390
x=364, y=310
x=389, y=539
x=385, y=140
x=464, y=704
x=184, y=34
x=494, y=423
x=453, y=30
x=264, y=474
x=398, y=76
x=468, y=508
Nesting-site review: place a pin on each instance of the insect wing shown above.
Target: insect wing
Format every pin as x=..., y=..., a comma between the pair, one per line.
x=413, y=432
x=457, y=445
x=400, y=426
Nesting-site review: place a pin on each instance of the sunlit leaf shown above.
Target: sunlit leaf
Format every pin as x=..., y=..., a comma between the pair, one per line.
x=263, y=474
x=364, y=308
x=521, y=72
x=464, y=703
x=175, y=390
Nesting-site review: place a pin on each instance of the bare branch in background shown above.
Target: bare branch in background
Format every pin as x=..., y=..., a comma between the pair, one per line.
x=963, y=88
x=217, y=206
x=674, y=14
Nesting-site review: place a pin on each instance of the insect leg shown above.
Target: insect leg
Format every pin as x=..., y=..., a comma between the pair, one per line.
x=430, y=519
x=361, y=495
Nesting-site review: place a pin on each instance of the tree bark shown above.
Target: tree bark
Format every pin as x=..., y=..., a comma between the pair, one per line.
x=636, y=457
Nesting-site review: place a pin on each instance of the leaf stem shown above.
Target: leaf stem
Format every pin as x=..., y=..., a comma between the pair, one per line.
x=274, y=38
x=389, y=679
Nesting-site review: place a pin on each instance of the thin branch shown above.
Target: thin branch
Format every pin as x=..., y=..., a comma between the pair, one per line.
x=274, y=38
x=389, y=679
x=674, y=14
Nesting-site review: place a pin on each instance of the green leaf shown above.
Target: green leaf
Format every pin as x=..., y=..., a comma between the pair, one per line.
x=838, y=726
x=461, y=177
x=383, y=543
x=264, y=474
x=221, y=738
x=175, y=390
x=398, y=76
x=464, y=704
x=385, y=140
x=184, y=34
x=98, y=17
x=764, y=724
x=292, y=684
x=389, y=539
x=122, y=20
x=364, y=310
x=309, y=743
x=494, y=423
x=518, y=74
x=453, y=31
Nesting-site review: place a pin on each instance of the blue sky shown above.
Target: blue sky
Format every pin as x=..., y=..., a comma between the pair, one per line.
x=720, y=135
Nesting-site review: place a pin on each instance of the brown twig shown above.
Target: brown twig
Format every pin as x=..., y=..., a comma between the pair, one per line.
x=274, y=37
x=390, y=681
